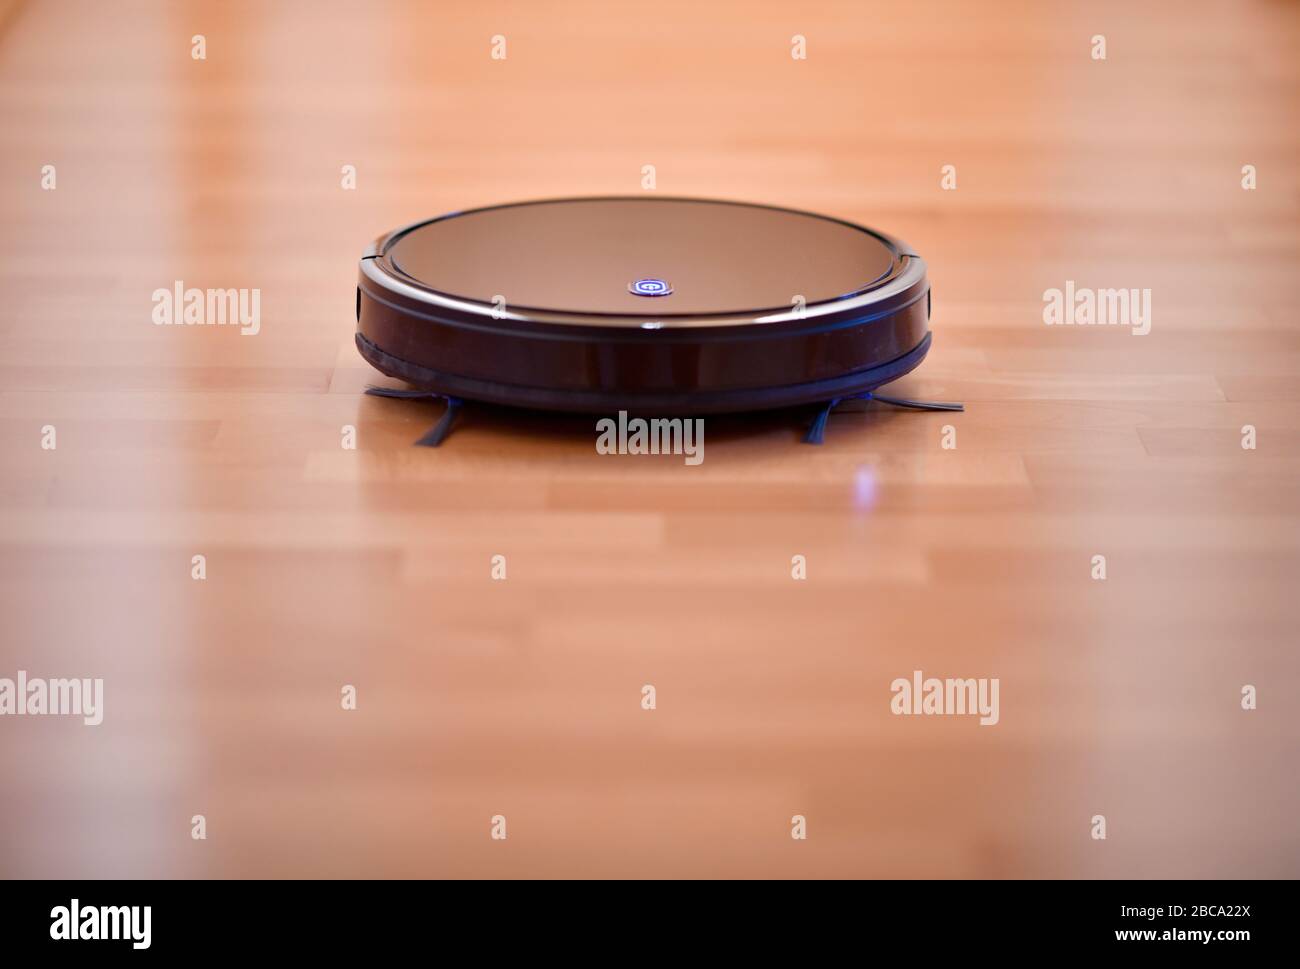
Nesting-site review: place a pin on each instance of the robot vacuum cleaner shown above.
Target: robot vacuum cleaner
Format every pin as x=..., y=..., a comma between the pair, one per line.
x=657, y=306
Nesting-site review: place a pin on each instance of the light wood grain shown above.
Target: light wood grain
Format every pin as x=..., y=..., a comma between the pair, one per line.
x=522, y=698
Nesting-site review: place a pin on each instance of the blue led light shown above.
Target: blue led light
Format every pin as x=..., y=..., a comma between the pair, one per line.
x=649, y=287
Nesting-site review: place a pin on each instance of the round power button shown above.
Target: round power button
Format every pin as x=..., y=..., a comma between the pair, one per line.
x=649, y=287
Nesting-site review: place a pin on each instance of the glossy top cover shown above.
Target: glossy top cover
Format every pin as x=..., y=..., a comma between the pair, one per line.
x=630, y=259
